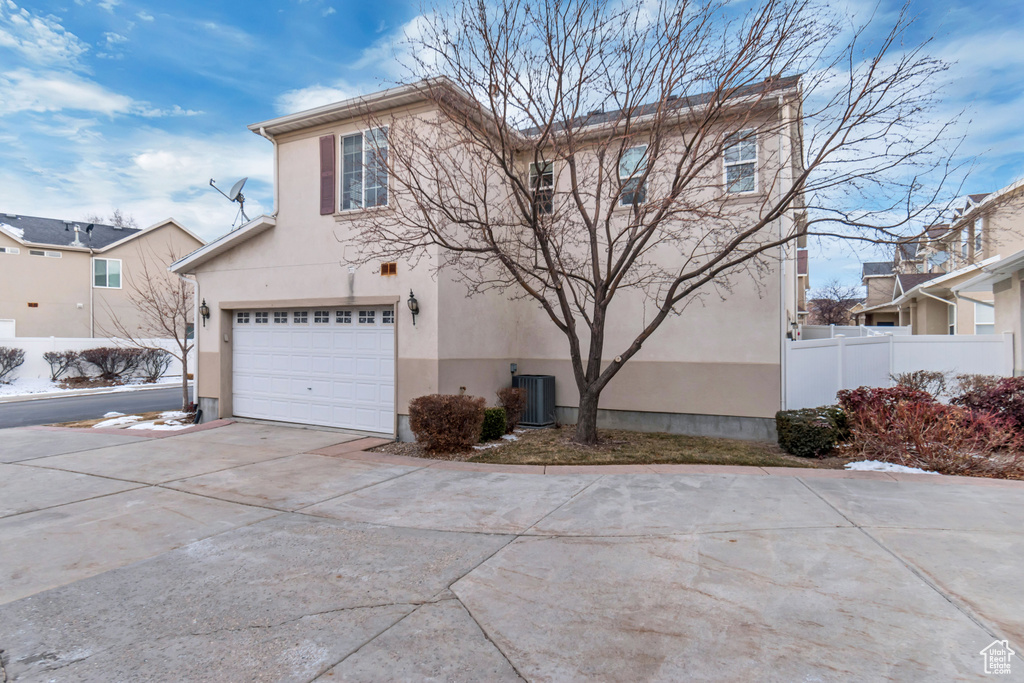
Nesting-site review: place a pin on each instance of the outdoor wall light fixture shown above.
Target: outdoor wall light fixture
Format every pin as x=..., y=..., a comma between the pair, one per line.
x=414, y=306
x=513, y=368
x=204, y=311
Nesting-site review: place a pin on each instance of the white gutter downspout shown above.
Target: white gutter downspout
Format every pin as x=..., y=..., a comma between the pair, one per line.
x=92, y=293
x=277, y=164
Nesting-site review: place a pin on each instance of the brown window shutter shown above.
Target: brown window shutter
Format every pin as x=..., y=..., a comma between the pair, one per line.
x=327, y=184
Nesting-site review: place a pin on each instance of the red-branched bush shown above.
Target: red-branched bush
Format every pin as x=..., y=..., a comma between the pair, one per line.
x=113, y=362
x=1004, y=399
x=908, y=427
x=513, y=400
x=446, y=423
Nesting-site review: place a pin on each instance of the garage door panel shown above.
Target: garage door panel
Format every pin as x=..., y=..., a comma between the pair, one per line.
x=333, y=373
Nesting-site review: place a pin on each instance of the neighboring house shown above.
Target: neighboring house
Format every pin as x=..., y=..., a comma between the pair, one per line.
x=297, y=334
x=999, y=280
x=62, y=278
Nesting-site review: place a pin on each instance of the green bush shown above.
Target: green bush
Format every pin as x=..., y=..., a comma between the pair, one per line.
x=495, y=423
x=811, y=432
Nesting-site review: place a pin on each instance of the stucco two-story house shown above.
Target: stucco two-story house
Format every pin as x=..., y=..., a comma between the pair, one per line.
x=63, y=278
x=298, y=332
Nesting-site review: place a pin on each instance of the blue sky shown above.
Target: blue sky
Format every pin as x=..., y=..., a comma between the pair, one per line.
x=135, y=105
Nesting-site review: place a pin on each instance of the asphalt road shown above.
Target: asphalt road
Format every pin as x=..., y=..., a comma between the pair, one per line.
x=68, y=408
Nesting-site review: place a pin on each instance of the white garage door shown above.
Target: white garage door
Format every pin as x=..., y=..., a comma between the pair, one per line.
x=316, y=366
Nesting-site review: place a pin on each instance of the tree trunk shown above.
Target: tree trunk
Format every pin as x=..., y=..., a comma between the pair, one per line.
x=586, y=420
x=184, y=382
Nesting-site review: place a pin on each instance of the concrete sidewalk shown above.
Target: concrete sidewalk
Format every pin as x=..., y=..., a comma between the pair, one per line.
x=252, y=552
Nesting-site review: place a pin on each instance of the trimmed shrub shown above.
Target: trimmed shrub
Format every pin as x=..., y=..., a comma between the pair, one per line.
x=880, y=400
x=495, y=423
x=513, y=400
x=811, y=432
x=153, y=363
x=10, y=359
x=1003, y=399
x=446, y=423
x=113, y=362
x=929, y=381
x=60, y=362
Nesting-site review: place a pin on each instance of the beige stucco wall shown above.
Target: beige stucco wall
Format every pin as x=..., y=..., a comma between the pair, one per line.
x=1009, y=314
x=879, y=289
x=1003, y=227
x=719, y=357
x=59, y=285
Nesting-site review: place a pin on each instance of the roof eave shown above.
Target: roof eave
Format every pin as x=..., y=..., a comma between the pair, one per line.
x=213, y=249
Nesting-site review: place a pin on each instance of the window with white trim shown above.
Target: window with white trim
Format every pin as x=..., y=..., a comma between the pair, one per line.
x=300, y=317
x=242, y=317
x=343, y=317
x=47, y=254
x=741, y=162
x=281, y=317
x=364, y=172
x=984, y=319
x=10, y=250
x=542, y=182
x=106, y=273
x=951, y=318
x=387, y=317
x=321, y=317
x=367, y=317
x=632, y=167
x=261, y=317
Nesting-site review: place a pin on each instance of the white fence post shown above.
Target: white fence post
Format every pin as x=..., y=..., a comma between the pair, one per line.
x=840, y=363
x=892, y=358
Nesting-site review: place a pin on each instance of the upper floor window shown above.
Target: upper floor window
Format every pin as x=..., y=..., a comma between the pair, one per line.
x=10, y=250
x=741, y=162
x=106, y=272
x=632, y=167
x=542, y=181
x=47, y=254
x=364, y=173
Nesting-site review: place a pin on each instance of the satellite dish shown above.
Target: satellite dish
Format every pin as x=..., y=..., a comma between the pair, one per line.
x=236, y=188
x=235, y=195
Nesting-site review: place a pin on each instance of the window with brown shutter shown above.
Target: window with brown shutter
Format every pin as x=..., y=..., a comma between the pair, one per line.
x=327, y=196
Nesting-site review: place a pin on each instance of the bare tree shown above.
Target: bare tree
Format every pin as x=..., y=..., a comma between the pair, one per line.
x=831, y=304
x=578, y=149
x=164, y=305
x=117, y=218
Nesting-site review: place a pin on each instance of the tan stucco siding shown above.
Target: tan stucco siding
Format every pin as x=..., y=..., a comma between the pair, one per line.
x=60, y=287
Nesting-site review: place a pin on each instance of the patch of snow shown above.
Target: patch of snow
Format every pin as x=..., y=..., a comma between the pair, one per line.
x=493, y=444
x=510, y=437
x=879, y=466
x=166, y=427
x=173, y=415
x=113, y=413
x=13, y=231
x=117, y=422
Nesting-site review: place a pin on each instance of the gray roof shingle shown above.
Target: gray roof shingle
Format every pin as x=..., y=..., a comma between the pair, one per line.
x=61, y=233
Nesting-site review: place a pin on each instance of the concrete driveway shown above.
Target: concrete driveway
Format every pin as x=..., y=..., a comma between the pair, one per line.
x=257, y=553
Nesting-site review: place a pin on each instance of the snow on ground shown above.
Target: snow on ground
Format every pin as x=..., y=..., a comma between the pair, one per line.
x=173, y=415
x=113, y=413
x=25, y=386
x=167, y=426
x=879, y=466
x=510, y=437
x=117, y=422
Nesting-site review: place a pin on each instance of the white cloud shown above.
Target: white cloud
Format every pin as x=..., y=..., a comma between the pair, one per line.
x=109, y=5
x=317, y=95
x=52, y=91
x=145, y=16
x=149, y=174
x=39, y=40
x=329, y=11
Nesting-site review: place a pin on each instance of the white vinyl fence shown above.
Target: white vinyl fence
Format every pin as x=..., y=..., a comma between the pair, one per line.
x=833, y=331
x=816, y=369
x=35, y=347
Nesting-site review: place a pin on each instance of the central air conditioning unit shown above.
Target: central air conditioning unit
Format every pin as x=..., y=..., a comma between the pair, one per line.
x=540, y=399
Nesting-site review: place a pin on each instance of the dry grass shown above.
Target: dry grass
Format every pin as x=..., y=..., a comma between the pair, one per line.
x=618, y=447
